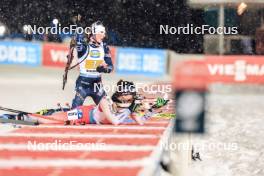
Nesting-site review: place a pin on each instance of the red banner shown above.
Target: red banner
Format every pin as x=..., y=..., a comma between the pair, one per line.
x=54, y=55
x=222, y=69
x=113, y=54
x=236, y=69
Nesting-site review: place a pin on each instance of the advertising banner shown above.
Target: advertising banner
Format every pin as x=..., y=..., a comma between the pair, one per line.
x=236, y=69
x=20, y=53
x=219, y=69
x=54, y=55
x=113, y=54
x=150, y=62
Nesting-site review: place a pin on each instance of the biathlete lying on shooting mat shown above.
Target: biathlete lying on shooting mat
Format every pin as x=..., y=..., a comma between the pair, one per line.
x=125, y=107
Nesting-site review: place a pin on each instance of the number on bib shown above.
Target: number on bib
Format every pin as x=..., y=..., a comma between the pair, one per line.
x=92, y=64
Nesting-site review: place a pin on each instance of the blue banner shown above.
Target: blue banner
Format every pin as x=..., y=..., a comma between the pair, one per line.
x=22, y=53
x=149, y=62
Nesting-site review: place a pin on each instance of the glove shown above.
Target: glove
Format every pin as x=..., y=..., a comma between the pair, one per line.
x=102, y=69
x=73, y=42
x=160, y=103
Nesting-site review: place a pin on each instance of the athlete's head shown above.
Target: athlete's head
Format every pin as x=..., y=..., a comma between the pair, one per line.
x=125, y=94
x=98, y=31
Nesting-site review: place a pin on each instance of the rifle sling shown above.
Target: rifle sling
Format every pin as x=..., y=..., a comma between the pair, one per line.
x=72, y=67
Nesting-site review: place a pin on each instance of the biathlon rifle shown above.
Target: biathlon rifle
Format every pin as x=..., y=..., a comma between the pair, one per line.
x=67, y=67
x=70, y=56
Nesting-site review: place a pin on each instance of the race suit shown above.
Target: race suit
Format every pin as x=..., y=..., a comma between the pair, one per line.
x=89, y=82
x=94, y=115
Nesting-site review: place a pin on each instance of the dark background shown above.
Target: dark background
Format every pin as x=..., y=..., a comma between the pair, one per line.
x=128, y=22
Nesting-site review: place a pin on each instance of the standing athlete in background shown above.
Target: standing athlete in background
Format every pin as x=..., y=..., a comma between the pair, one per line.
x=94, y=58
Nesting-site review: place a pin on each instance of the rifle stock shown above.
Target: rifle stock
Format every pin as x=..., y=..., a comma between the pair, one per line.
x=67, y=67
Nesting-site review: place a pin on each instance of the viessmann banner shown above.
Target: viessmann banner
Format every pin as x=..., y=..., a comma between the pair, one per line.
x=55, y=55
x=149, y=62
x=236, y=69
x=21, y=53
x=220, y=69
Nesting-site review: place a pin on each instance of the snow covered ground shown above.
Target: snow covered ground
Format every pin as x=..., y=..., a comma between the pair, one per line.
x=233, y=144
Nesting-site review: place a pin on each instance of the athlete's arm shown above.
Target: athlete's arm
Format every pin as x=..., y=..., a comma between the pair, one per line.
x=108, y=66
x=106, y=108
x=120, y=117
x=81, y=45
x=138, y=118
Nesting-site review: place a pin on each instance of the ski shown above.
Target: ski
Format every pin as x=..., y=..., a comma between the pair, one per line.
x=13, y=110
x=18, y=122
x=21, y=113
